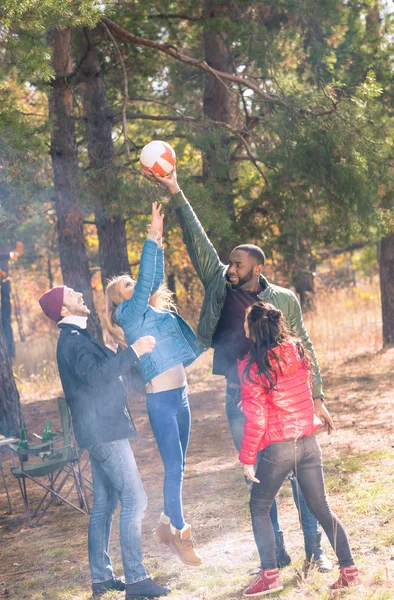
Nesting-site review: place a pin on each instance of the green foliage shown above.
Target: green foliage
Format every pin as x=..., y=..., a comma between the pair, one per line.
x=25, y=24
x=22, y=155
x=323, y=151
x=366, y=261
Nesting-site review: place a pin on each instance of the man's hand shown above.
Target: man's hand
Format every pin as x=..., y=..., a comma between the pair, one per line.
x=249, y=472
x=322, y=413
x=170, y=182
x=144, y=345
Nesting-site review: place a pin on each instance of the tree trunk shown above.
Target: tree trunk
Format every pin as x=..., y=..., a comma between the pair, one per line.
x=303, y=281
x=98, y=118
x=50, y=274
x=5, y=299
x=386, y=268
x=171, y=284
x=73, y=259
x=11, y=419
x=216, y=106
x=6, y=316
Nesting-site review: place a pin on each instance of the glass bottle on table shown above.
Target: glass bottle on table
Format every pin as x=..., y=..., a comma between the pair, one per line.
x=46, y=435
x=23, y=446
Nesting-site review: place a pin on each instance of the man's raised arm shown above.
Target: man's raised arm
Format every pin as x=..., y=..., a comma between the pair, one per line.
x=202, y=253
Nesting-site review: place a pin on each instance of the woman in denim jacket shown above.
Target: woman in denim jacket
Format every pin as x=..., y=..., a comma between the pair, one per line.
x=143, y=307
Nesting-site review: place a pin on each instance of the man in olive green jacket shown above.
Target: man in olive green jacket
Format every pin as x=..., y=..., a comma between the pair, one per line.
x=229, y=290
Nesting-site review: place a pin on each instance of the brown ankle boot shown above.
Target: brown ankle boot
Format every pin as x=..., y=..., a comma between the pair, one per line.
x=183, y=545
x=163, y=532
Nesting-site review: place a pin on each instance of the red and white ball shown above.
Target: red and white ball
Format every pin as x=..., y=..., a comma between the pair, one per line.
x=159, y=157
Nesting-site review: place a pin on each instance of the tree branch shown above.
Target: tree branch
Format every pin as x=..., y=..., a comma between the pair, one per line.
x=182, y=16
x=238, y=133
x=142, y=116
x=126, y=90
x=125, y=35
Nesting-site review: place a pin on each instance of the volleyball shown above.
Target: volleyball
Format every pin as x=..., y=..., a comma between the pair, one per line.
x=159, y=157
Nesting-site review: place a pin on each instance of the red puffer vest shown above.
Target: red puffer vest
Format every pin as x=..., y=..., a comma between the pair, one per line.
x=285, y=413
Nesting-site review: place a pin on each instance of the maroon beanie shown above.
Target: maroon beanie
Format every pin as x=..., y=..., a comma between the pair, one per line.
x=52, y=302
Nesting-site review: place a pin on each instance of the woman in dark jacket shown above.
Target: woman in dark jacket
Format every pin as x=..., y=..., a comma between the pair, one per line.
x=280, y=422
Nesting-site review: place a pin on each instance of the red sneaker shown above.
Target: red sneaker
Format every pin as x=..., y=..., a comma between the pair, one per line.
x=348, y=577
x=268, y=581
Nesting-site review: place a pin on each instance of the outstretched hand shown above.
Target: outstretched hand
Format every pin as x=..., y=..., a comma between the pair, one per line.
x=156, y=225
x=170, y=182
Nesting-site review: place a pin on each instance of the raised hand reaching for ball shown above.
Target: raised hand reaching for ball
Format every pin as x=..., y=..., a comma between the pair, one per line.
x=170, y=182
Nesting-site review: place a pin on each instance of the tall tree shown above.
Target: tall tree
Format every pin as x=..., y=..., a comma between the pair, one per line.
x=386, y=245
x=217, y=106
x=73, y=258
x=102, y=174
x=5, y=299
x=386, y=272
x=10, y=409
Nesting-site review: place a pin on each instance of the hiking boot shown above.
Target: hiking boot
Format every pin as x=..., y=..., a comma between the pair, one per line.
x=282, y=556
x=145, y=589
x=99, y=589
x=183, y=545
x=163, y=532
x=348, y=577
x=267, y=582
x=314, y=553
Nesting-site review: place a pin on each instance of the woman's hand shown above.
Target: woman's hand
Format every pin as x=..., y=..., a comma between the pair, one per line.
x=322, y=413
x=144, y=345
x=170, y=181
x=156, y=226
x=250, y=473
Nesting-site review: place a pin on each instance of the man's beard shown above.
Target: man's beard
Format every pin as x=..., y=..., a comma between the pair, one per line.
x=81, y=311
x=242, y=280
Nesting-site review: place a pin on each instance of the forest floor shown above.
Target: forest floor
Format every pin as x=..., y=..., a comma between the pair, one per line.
x=50, y=561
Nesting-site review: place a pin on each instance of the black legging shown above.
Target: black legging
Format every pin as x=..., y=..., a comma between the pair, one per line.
x=304, y=456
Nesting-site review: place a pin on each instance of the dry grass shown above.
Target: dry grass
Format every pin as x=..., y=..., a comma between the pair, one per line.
x=358, y=462
x=346, y=322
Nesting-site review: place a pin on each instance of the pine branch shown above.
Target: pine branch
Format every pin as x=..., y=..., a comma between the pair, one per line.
x=182, y=16
x=170, y=50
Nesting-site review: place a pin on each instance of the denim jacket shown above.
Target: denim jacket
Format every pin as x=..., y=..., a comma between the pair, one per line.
x=175, y=340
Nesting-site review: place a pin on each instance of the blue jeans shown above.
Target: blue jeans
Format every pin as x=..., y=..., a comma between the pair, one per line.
x=115, y=477
x=303, y=456
x=236, y=421
x=169, y=416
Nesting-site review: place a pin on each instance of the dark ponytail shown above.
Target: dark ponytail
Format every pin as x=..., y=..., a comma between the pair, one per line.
x=267, y=330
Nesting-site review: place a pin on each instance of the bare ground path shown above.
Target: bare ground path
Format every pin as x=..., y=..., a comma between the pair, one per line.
x=51, y=560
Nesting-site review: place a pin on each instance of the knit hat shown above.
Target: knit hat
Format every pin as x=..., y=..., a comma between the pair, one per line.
x=52, y=302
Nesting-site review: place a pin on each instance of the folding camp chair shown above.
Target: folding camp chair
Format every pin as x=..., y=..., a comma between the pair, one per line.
x=82, y=465
x=57, y=471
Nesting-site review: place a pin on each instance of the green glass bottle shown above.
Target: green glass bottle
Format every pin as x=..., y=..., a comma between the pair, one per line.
x=23, y=446
x=46, y=434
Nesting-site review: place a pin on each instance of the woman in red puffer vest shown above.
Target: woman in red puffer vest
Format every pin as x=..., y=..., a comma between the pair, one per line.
x=280, y=422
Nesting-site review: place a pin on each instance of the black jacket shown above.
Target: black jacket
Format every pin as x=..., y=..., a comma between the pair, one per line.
x=90, y=376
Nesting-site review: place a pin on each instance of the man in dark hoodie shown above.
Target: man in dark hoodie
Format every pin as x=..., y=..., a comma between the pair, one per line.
x=90, y=376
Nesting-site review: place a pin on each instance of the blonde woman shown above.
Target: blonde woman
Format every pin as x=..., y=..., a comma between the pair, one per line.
x=145, y=306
